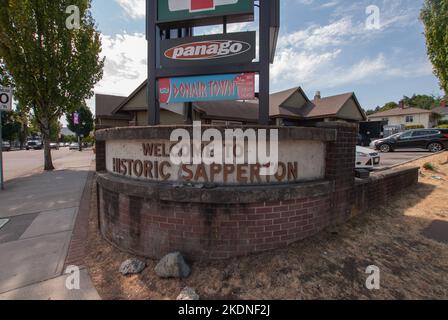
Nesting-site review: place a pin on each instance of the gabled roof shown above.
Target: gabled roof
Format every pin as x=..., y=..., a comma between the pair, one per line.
x=441, y=110
x=279, y=107
x=400, y=112
x=131, y=96
x=329, y=106
x=105, y=104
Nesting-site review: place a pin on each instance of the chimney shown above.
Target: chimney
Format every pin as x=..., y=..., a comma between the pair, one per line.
x=443, y=103
x=401, y=104
x=317, y=96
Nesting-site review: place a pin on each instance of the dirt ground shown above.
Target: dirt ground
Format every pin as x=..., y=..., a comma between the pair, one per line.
x=330, y=265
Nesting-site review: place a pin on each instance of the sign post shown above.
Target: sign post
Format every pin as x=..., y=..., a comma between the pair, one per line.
x=213, y=67
x=5, y=105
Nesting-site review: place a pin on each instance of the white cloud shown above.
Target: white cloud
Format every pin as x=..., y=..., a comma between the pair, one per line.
x=314, y=57
x=136, y=9
x=125, y=66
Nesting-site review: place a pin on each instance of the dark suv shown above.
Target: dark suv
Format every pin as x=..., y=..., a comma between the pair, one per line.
x=434, y=140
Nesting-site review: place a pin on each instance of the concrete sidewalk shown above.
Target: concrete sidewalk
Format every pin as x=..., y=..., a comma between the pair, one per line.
x=39, y=213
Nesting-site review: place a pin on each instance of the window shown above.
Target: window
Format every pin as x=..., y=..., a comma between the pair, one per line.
x=421, y=133
x=406, y=135
x=409, y=119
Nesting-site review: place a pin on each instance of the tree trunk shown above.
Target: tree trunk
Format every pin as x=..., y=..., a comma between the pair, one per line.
x=48, y=162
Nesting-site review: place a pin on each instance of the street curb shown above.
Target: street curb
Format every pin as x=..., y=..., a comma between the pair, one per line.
x=77, y=247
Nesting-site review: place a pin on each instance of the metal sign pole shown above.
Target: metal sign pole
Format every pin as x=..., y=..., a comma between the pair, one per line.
x=152, y=35
x=2, y=183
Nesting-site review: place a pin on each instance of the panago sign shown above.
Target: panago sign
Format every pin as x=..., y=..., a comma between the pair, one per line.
x=207, y=88
x=177, y=10
x=209, y=50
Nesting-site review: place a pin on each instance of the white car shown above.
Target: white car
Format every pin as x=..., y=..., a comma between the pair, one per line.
x=74, y=146
x=367, y=158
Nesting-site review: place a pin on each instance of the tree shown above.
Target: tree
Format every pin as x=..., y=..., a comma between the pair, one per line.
x=85, y=121
x=435, y=19
x=10, y=126
x=389, y=106
x=422, y=101
x=55, y=128
x=5, y=78
x=54, y=65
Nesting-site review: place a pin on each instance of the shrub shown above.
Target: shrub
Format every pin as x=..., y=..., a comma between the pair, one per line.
x=443, y=126
x=429, y=166
x=415, y=126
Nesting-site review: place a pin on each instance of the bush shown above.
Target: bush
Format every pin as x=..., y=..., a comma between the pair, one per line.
x=429, y=166
x=443, y=126
x=415, y=126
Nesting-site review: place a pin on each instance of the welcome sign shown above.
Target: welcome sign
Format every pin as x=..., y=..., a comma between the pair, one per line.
x=207, y=88
x=178, y=10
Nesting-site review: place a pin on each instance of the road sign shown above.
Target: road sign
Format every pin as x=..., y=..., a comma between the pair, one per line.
x=5, y=99
x=180, y=10
x=209, y=50
x=207, y=88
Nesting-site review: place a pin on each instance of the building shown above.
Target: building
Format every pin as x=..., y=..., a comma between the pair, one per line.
x=67, y=132
x=287, y=108
x=104, y=112
x=442, y=111
x=407, y=116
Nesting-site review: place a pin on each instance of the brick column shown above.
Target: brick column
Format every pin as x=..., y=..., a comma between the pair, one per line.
x=340, y=167
x=100, y=152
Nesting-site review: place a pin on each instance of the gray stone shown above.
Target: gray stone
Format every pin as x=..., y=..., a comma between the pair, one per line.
x=188, y=294
x=173, y=266
x=132, y=266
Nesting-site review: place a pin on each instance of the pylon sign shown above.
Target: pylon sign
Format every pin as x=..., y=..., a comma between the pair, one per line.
x=181, y=10
x=183, y=68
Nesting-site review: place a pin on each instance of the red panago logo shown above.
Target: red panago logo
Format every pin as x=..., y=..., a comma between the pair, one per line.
x=206, y=50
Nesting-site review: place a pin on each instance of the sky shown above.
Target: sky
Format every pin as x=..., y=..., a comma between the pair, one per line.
x=324, y=45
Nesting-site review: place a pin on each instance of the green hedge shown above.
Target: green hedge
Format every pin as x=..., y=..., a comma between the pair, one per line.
x=443, y=126
x=415, y=126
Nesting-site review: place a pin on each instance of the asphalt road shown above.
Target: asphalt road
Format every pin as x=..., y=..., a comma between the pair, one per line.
x=398, y=157
x=20, y=163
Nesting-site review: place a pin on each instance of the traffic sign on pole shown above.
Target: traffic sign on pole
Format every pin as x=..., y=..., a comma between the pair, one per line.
x=5, y=99
x=5, y=105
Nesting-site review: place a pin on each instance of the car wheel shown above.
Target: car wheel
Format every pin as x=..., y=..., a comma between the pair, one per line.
x=385, y=148
x=435, y=147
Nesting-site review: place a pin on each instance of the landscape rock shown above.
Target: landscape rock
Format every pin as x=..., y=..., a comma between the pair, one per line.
x=132, y=266
x=173, y=265
x=188, y=294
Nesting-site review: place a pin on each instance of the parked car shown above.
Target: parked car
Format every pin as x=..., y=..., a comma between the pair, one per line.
x=6, y=146
x=367, y=158
x=34, y=145
x=54, y=146
x=433, y=140
x=67, y=144
x=61, y=144
x=74, y=146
